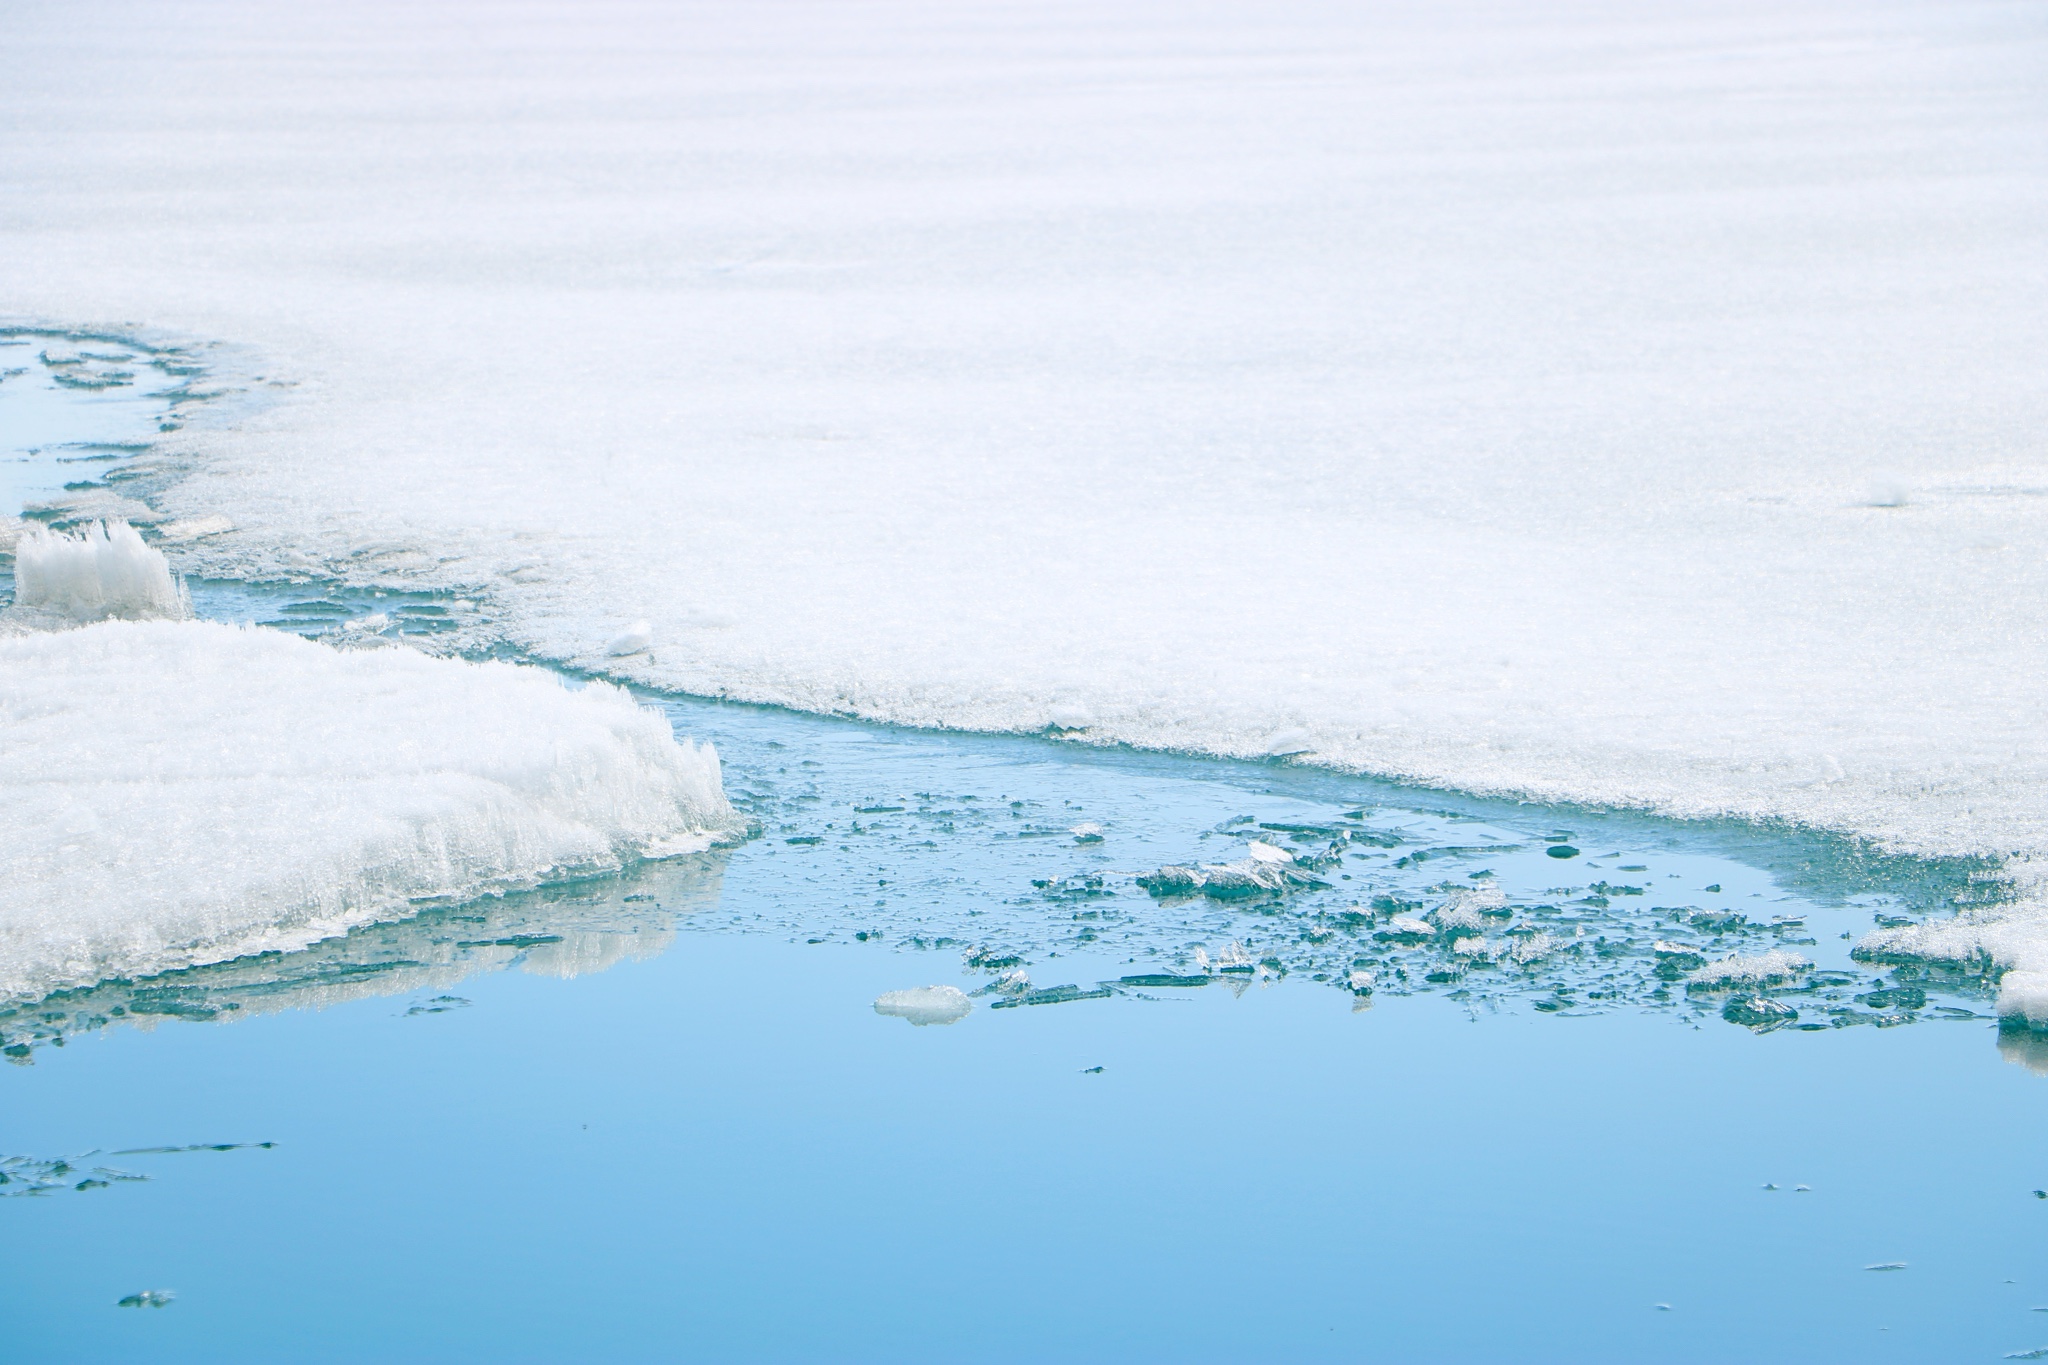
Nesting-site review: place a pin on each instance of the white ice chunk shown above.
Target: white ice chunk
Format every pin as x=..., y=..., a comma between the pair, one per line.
x=1264, y=852
x=925, y=1004
x=174, y=793
x=634, y=639
x=104, y=572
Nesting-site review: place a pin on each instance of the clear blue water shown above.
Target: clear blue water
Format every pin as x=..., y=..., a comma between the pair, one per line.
x=657, y=1116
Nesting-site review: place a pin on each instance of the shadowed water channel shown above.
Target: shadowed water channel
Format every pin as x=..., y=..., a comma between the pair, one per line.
x=1250, y=1058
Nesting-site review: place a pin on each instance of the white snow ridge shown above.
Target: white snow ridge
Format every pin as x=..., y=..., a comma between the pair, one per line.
x=175, y=793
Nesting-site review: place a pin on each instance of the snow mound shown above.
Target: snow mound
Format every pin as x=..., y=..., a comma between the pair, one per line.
x=182, y=793
x=104, y=572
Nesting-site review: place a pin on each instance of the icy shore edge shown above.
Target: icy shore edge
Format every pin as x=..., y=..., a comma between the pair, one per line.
x=179, y=792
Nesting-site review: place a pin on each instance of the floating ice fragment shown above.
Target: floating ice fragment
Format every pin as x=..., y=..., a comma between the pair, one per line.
x=1087, y=832
x=1454, y=917
x=2038, y=1353
x=1263, y=852
x=925, y=1004
x=1407, y=926
x=103, y=572
x=1663, y=1308
x=1234, y=954
x=1761, y=969
x=1360, y=981
x=147, y=1298
x=1530, y=947
x=1091, y=1071
x=1887, y=1265
x=634, y=639
x=1562, y=851
x=1758, y=1012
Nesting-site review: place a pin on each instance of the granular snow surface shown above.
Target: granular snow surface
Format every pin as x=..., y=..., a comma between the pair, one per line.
x=1612, y=403
x=184, y=792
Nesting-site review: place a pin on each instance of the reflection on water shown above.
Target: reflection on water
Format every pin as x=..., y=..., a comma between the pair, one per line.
x=562, y=931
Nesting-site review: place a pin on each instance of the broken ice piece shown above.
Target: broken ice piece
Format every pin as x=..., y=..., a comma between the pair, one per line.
x=925, y=1004
x=1087, y=832
x=634, y=639
x=147, y=1298
x=1887, y=1265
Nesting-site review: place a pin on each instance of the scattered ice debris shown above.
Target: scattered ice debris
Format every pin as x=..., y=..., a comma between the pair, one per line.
x=1164, y=979
x=1091, y=1071
x=195, y=1147
x=105, y=572
x=1408, y=927
x=1360, y=981
x=30, y=1176
x=1087, y=832
x=1758, y=1012
x=925, y=1004
x=985, y=958
x=2038, y=1353
x=1233, y=957
x=1761, y=969
x=637, y=638
x=148, y=1298
x=376, y=623
x=1531, y=947
x=1053, y=995
x=1887, y=1265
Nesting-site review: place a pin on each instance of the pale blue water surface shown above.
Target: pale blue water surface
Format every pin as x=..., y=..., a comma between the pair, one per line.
x=657, y=1117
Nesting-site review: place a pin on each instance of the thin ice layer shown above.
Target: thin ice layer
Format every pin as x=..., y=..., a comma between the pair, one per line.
x=179, y=793
x=1623, y=403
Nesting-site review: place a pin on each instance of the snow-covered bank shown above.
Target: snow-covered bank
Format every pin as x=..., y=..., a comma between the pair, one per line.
x=1619, y=403
x=183, y=792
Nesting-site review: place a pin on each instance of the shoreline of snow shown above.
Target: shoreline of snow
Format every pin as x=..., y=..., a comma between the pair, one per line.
x=1633, y=407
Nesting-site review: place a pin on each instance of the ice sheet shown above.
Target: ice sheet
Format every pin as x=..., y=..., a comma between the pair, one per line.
x=1613, y=403
x=184, y=792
